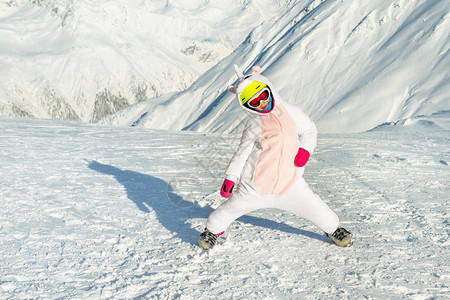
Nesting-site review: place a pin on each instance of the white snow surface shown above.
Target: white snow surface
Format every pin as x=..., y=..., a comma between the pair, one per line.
x=95, y=212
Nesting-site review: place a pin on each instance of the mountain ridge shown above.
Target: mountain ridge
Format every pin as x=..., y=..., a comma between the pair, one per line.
x=166, y=65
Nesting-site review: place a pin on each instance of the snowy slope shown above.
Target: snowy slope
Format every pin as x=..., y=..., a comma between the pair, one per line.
x=92, y=212
x=351, y=65
x=82, y=60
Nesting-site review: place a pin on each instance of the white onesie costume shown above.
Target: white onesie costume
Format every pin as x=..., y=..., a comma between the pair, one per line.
x=263, y=165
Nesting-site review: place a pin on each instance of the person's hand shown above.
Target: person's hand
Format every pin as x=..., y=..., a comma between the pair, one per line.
x=301, y=158
x=227, y=188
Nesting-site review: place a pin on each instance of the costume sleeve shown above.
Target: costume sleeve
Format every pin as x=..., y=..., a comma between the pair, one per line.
x=308, y=135
x=237, y=163
x=307, y=131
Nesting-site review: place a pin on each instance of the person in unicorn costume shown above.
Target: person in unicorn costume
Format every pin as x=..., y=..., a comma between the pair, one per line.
x=266, y=170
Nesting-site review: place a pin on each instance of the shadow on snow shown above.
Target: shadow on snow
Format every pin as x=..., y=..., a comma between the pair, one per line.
x=173, y=212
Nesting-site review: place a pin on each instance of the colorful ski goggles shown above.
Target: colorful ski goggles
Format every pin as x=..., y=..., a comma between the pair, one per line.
x=263, y=96
x=251, y=90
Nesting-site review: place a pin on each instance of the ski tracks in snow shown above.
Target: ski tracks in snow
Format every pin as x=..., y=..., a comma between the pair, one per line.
x=400, y=187
x=99, y=212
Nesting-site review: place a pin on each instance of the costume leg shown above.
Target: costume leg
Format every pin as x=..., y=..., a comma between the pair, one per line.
x=300, y=199
x=238, y=205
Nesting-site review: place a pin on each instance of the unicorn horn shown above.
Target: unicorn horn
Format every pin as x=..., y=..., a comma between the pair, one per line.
x=238, y=72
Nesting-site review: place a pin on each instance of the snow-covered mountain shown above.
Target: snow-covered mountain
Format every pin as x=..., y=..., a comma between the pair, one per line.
x=82, y=60
x=351, y=65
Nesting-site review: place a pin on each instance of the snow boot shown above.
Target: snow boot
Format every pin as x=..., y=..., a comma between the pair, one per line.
x=341, y=237
x=207, y=239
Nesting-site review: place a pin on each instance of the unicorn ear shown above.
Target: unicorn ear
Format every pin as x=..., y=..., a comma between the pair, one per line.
x=231, y=89
x=256, y=70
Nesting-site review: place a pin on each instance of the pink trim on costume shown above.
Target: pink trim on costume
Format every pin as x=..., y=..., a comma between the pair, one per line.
x=275, y=171
x=221, y=233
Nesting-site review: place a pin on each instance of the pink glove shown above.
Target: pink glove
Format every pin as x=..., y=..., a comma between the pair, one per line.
x=227, y=188
x=301, y=158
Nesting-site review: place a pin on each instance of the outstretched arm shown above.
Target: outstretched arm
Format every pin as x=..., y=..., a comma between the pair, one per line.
x=249, y=135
